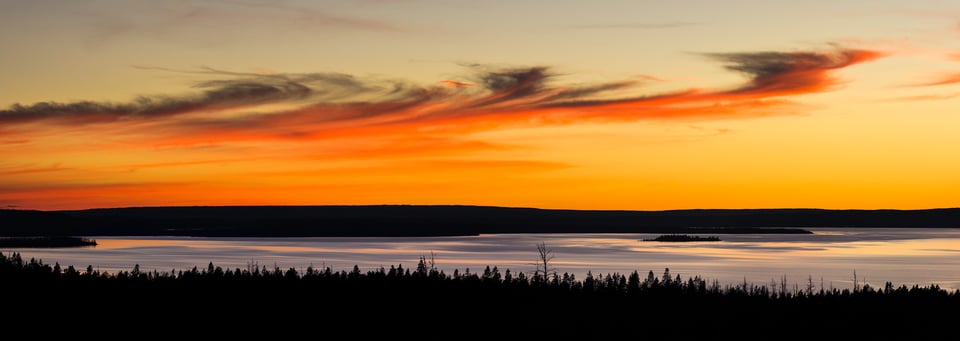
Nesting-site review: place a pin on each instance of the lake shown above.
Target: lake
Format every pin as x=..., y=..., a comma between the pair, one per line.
x=829, y=256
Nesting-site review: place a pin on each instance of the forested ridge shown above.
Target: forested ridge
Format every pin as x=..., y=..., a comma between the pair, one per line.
x=620, y=304
x=442, y=220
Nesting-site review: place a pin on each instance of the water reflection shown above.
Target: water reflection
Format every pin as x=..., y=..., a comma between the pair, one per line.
x=901, y=256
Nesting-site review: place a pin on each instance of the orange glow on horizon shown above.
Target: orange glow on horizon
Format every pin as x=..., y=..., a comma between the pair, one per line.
x=514, y=139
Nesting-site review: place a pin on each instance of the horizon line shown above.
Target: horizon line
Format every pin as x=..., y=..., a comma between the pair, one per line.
x=489, y=206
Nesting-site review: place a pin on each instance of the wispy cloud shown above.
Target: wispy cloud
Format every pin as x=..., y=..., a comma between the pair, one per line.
x=635, y=26
x=791, y=72
x=29, y=169
x=202, y=24
x=341, y=134
x=927, y=97
x=943, y=80
x=84, y=194
x=455, y=83
x=651, y=78
x=306, y=17
x=221, y=94
x=134, y=167
x=332, y=104
x=240, y=90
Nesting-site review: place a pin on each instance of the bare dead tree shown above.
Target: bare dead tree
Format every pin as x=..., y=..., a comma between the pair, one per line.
x=427, y=267
x=544, y=257
x=432, y=262
x=855, y=284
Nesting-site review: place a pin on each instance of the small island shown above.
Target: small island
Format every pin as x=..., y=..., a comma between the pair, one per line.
x=45, y=242
x=682, y=238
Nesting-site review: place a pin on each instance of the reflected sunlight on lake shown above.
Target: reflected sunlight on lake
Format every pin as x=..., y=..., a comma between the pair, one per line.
x=901, y=256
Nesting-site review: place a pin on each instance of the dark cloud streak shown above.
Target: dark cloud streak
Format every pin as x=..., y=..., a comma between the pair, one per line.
x=786, y=72
x=331, y=101
x=587, y=91
x=221, y=94
x=237, y=89
x=512, y=84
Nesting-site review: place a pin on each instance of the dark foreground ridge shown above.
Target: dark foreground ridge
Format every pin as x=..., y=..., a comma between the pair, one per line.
x=403, y=220
x=421, y=299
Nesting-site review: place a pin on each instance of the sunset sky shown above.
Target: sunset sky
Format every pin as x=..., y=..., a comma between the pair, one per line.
x=554, y=104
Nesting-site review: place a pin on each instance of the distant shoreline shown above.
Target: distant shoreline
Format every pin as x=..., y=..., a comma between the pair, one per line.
x=674, y=238
x=445, y=220
x=45, y=242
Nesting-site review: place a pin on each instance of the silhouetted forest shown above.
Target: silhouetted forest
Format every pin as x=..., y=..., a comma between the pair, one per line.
x=403, y=220
x=398, y=300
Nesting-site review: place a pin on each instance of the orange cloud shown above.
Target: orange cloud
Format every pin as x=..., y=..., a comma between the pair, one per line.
x=787, y=73
x=651, y=78
x=85, y=195
x=279, y=123
x=505, y=97
x=525, y=97
x=455, y=84
x=945, y=80
x=27, y=169
x=927, y=97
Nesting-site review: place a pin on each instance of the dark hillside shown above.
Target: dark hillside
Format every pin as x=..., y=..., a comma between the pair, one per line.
x=401, y=220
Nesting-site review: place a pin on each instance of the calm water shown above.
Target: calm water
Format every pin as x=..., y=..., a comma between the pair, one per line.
x=901, y=256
